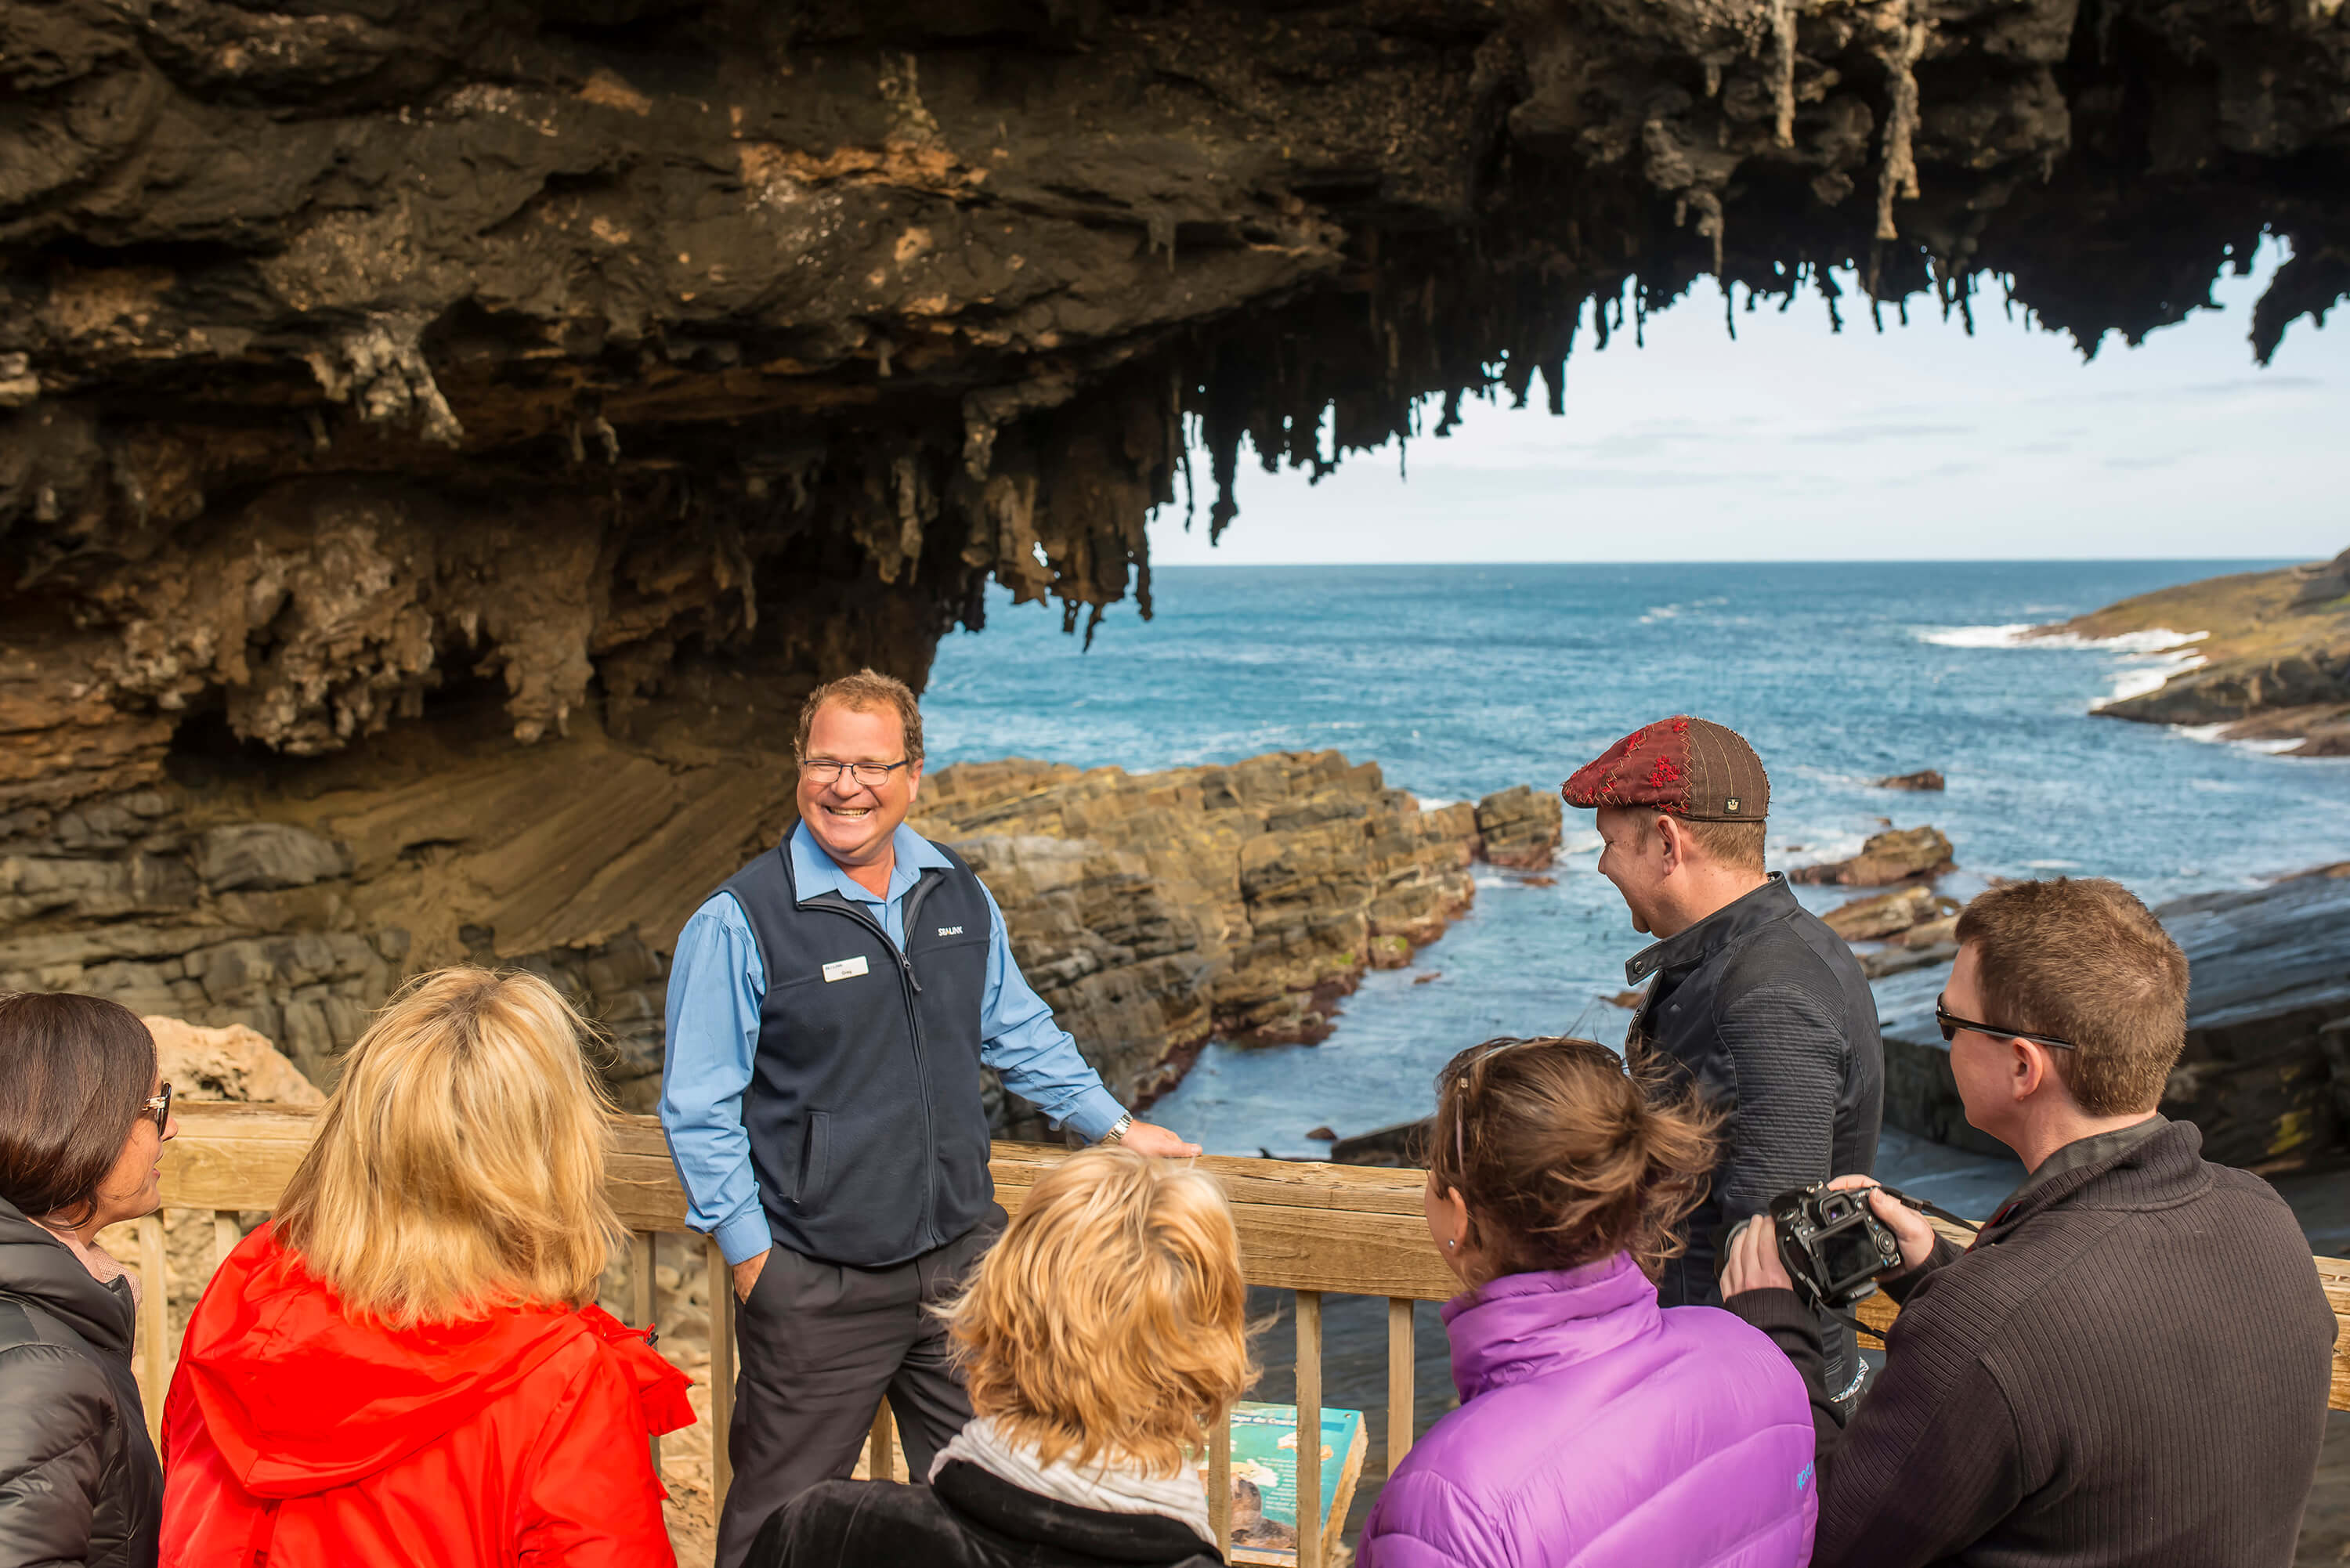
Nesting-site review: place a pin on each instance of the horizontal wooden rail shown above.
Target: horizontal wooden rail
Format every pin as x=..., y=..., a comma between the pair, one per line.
x=1351, y=1229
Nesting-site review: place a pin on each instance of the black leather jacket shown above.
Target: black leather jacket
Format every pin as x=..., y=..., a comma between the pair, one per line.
x=1767, y=1010
x=967, y=1518
x=79, y=1479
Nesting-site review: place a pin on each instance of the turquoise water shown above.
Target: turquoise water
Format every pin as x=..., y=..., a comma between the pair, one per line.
x=1460, y=681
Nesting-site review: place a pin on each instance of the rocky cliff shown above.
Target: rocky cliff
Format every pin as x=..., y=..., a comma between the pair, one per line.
x=2267, y=654
x=442, y=438
x=1153, y=911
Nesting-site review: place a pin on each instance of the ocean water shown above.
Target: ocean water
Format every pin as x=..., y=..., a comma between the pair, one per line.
x=1464, y=680
x=1460, y=681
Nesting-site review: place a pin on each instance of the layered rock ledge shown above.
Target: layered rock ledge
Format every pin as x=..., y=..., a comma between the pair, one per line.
x=1150, y=910
x=2266, y=1072
x=2267, y=655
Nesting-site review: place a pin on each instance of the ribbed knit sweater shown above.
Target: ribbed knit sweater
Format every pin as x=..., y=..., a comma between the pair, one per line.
x=2129, y=1369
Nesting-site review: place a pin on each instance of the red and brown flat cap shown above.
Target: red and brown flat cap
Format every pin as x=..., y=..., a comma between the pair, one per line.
x=1687, y=766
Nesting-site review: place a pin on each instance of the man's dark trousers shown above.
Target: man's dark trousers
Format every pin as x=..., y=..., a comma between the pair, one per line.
x=819, y=1346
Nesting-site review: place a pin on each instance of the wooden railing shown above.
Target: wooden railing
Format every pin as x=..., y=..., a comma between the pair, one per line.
x=1309, y=1229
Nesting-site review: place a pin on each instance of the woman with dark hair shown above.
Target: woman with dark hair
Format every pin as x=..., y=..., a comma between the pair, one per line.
x=1595, y=1427
x=84, y=1116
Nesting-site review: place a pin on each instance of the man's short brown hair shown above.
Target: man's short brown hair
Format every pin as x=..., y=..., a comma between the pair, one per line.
x=2083, y=961
x=867, y=691
x=1736, y=845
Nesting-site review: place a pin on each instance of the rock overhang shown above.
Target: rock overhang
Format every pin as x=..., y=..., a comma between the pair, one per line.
x=384, y=387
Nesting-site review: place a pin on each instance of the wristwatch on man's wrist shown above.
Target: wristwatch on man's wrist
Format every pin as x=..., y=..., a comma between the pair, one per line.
x=1117, y=1133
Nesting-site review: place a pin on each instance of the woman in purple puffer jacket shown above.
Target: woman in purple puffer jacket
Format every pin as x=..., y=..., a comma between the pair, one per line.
x=1595, y=1428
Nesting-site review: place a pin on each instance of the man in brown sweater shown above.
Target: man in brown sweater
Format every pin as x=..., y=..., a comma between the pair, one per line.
x=2130, y=1368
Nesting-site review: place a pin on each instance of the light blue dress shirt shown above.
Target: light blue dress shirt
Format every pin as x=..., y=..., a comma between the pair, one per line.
x=717, y=982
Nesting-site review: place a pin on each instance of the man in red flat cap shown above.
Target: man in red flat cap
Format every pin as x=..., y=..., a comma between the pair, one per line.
x=1753, y=997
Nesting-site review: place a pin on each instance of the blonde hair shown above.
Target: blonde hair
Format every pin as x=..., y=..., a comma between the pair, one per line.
x=1109, y=1323
x=459, y=1164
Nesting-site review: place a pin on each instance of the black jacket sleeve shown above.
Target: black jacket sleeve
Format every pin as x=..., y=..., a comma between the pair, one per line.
x=1792, y=1328
x=1936, y=1410
x=54, y=1410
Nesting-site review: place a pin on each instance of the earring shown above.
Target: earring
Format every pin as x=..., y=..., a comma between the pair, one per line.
x=1450, y=1244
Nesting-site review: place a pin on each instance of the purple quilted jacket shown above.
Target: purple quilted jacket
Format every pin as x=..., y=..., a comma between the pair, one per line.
x=1598, y=1430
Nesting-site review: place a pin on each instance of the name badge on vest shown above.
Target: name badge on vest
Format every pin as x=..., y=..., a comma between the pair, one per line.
x=844, y=968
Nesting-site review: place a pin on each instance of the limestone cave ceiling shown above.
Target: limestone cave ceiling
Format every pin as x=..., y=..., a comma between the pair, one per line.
x=361, y=359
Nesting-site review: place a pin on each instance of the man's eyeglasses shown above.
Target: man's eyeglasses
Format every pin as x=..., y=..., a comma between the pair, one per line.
x=160, y=1108
x=872, y=775
x=1951, y=1027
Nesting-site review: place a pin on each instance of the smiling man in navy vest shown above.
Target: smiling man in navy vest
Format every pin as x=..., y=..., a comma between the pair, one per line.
x=829, y=1010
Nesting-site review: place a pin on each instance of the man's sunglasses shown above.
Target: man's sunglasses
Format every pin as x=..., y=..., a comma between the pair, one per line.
x=1950, y=1027
x=160, y=1108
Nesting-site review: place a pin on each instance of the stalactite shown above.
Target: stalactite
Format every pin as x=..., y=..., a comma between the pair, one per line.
x=1897, y=169
x=1783, y=96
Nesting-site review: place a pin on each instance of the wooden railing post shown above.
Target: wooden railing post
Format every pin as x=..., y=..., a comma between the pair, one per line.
x=641, y=1305
x=1399, y=1380
x=881, y=1445
x=226, y=1233
x=1220, y=1485
x=721, y=1374
x=1309, y=1430
x=155, y=1324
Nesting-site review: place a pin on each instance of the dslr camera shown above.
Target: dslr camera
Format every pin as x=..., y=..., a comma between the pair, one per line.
x=1834, y=1248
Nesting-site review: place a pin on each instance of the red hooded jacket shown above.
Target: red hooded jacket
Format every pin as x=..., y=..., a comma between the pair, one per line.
x=296, y=1436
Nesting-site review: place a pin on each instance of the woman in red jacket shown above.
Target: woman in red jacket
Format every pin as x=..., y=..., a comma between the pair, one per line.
x=402, y=1368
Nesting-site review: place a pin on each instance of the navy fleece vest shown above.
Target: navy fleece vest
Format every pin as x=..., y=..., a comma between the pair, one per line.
x=867, y=1133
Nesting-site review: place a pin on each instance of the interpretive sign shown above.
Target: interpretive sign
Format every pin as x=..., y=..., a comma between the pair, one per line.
x=1264, y=1479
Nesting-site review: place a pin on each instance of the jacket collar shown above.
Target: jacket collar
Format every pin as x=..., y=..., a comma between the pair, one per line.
x=1528, y=1325
x=36, y=1267
x=815, y=873
x=1771, y=901
x=2155, y=1169
x=997, y=1504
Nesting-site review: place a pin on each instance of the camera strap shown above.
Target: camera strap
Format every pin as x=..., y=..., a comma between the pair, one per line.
x=1933, y=1210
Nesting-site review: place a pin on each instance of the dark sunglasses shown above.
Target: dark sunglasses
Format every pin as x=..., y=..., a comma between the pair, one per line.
x=160, y=1108
x=1951, y=1027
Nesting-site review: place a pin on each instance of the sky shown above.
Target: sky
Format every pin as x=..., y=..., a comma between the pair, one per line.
x=1797, y=443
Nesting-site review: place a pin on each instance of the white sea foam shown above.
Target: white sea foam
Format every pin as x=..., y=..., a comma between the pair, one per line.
x=2217, y=735
x=2052, y=865
x=2022, y=634
x=1673, y=611
x=1975, y=635
x=2153, y=655
x=2140, y=677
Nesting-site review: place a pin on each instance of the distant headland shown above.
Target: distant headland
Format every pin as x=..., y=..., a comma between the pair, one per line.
x=2270, y=659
